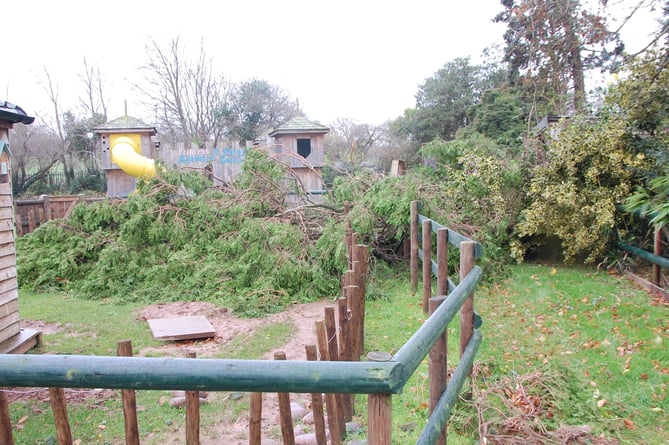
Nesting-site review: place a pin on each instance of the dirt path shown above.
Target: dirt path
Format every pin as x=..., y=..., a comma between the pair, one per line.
x=228, y=326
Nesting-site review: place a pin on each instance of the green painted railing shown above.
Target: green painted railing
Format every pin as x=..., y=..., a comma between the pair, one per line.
x=651, y=258
x=80, y=371
x=367, y=377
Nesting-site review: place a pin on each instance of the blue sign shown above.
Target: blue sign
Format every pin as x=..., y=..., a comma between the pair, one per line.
x=221, y=155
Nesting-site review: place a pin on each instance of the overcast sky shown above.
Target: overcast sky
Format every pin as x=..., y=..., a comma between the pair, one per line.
x=358, y=59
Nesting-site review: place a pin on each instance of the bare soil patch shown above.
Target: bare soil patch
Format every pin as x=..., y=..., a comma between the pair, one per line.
x=228, y=326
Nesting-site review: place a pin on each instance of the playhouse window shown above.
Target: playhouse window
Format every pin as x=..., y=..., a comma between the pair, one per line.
x=304, y=147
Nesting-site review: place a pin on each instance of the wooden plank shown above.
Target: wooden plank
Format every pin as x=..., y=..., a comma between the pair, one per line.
x=6, y=224
x=22, y=342
x=7, y=249
x=7, y=236
x=7, y=261
x=6, y=189
x=6, y=212
x=8, y=286
x=9, y=308
x=648, y=286
x=7, y=273
x=181, y=328
x=9, y=319
x=8, y=330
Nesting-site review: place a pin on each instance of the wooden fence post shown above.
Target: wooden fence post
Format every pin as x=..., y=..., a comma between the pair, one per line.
x=442, y=261
x=6, y=435
x=336, y=432
x=467, y=259
x=255, y=419
x=19, y=225
x=344, y=352
x=353, y=299
x=317, y=403
x=349, y=243
x=427, y=264
x=46, y=209
x=333, y=352
x=361, y=257
x=192, y=413
x=438, y=366
x=285, y=414
x=379, y=416
x=379, y=413
x=124, y=349
x=414, y=246
x=31, y=221
x=59, y=408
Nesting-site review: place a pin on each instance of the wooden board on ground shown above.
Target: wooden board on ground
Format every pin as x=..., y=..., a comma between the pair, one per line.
x=181, y=328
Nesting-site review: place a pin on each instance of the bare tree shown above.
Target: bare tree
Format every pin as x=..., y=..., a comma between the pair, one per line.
x=62, y=144
x=190, y=100
x=34, y=152
x=349, y=142
x=93, y=100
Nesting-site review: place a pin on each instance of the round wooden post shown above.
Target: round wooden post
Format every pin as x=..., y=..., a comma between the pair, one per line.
x=427, y=264
x=333, y=352
x=124, y=349
x=360, y=273
x=379, y=416
x=285, y=414
x=414, y=246
x=336, y=432
x=255, y=419
x=353, y=300
x=192, y=413
x=6, y=436
x=317, y=403
x=344, y=350
x=442, y=261
x=349, y=243
x=438, y=367
x=59, y=408
x=467, y=259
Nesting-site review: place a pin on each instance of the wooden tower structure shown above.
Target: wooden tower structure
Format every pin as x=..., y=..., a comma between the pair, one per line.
x=13, y=339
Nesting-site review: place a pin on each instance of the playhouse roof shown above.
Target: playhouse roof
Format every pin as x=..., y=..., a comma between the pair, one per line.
x=300, y=125
x=14, y=114
x=125, y=124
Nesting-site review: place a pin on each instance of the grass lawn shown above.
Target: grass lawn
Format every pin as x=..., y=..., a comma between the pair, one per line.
x=566, y=351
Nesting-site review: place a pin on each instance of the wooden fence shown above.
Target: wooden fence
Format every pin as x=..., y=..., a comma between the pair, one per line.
x=31, y=213
x=339, y=374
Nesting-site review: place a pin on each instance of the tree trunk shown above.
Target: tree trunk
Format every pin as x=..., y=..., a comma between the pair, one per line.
x=573, y=47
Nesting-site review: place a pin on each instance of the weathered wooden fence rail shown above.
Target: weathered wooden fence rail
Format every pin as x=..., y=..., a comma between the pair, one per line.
x=31, y=213
x=379, y=380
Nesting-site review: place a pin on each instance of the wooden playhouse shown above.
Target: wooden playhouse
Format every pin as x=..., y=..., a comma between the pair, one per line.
x=13, y=339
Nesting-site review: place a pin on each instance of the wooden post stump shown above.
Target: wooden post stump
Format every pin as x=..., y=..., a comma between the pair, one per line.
x=124, y=349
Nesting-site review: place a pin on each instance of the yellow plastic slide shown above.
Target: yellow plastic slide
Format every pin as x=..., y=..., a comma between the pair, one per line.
x=126, y=153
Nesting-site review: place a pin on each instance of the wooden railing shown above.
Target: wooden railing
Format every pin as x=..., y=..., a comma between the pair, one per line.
x=32, y=213
x=379, y=380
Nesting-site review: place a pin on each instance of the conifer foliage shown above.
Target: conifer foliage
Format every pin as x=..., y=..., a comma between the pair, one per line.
x=179, y=238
